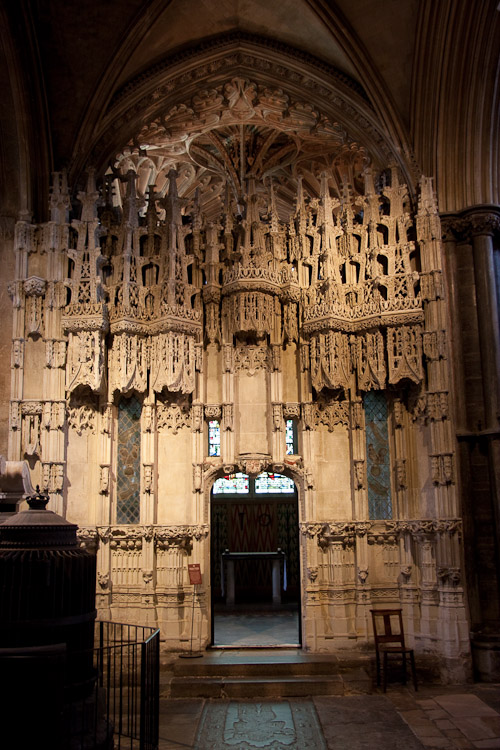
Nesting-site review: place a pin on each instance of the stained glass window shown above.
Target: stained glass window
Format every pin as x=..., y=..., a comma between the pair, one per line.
x=129, y=461
x=270, y=483
x=291, y=437
x=377, y=456
x=231, y=484
x=214, y=438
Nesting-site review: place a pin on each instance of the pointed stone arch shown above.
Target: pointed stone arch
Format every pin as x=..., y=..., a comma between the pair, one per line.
x=234, y=79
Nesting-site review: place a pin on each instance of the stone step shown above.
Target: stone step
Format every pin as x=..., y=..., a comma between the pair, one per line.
x=259, y=687
x=262, y=675
x=184, y=668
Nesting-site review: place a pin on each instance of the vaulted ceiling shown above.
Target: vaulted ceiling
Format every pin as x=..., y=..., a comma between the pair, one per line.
x=417, y=80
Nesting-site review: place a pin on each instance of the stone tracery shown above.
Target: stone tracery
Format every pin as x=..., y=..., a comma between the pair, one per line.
x=238, y=233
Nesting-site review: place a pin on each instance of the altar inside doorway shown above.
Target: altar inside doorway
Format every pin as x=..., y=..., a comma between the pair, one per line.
x=255, y=563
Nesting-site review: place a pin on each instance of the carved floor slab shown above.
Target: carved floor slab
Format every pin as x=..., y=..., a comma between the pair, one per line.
x=283, y=725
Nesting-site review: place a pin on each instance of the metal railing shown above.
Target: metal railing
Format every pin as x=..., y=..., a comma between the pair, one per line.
x=127, y=660
x=122, y=710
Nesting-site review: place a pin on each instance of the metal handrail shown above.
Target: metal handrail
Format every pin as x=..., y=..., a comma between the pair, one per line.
x=125, y=699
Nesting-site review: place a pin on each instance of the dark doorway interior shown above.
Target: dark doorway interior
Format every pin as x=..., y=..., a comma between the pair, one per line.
x=255, y=516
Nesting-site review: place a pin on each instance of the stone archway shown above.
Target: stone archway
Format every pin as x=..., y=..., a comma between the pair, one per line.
x=255, y=565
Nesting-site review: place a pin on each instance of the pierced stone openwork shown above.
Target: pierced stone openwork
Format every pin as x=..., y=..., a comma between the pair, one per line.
x=251, y=297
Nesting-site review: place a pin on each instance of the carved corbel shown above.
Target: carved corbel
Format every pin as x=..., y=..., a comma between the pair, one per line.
x=227, y=417
x=213, y=411
x=16, y=293
x=362, y=527
x=148, y=532
x=197, y=417
x=398, y=412
x=147, y=576
x=228, y=357
x=276, y=357
x=312, y=573
x=254, y=465
x=448, y=468
x=449, y=575
x=359, y=473
x=104, y=479
x=103, y=580
x=400, y=472
x=277, y=416
x=291, y=411
x=304, y=357
x=15, y=415
x=308, y=413
x=106, y=419
x=357, y=415
x=148, y=416
x=17, y=358
x=198, y=357
x=197, y=477
x=363, y=574
x=148, y=478
x=104, y=533
x=405, y=573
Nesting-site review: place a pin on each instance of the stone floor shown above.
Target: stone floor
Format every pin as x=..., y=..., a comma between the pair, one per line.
x=464, y=717
x=458, y=717
x=256, y=628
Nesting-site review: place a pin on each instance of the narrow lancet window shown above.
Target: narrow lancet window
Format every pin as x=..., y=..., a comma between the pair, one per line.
x=129, y=461
x=377, y=456
x=214, y=438
x=291, y=437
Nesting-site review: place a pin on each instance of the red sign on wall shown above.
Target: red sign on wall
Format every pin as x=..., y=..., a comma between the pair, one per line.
x=194, y=573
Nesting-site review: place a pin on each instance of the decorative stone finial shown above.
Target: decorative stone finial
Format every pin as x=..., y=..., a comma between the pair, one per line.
x=38, y=501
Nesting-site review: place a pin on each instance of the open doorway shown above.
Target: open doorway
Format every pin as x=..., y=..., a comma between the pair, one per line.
x=255, y=566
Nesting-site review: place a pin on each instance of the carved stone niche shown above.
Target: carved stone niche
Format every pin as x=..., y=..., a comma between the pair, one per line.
x=34, y=289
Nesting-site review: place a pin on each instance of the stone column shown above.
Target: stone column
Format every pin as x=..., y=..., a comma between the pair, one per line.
x=483, y=222
x=450, y=226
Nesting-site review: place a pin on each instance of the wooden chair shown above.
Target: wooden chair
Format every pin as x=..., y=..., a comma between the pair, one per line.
x=390, y=639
